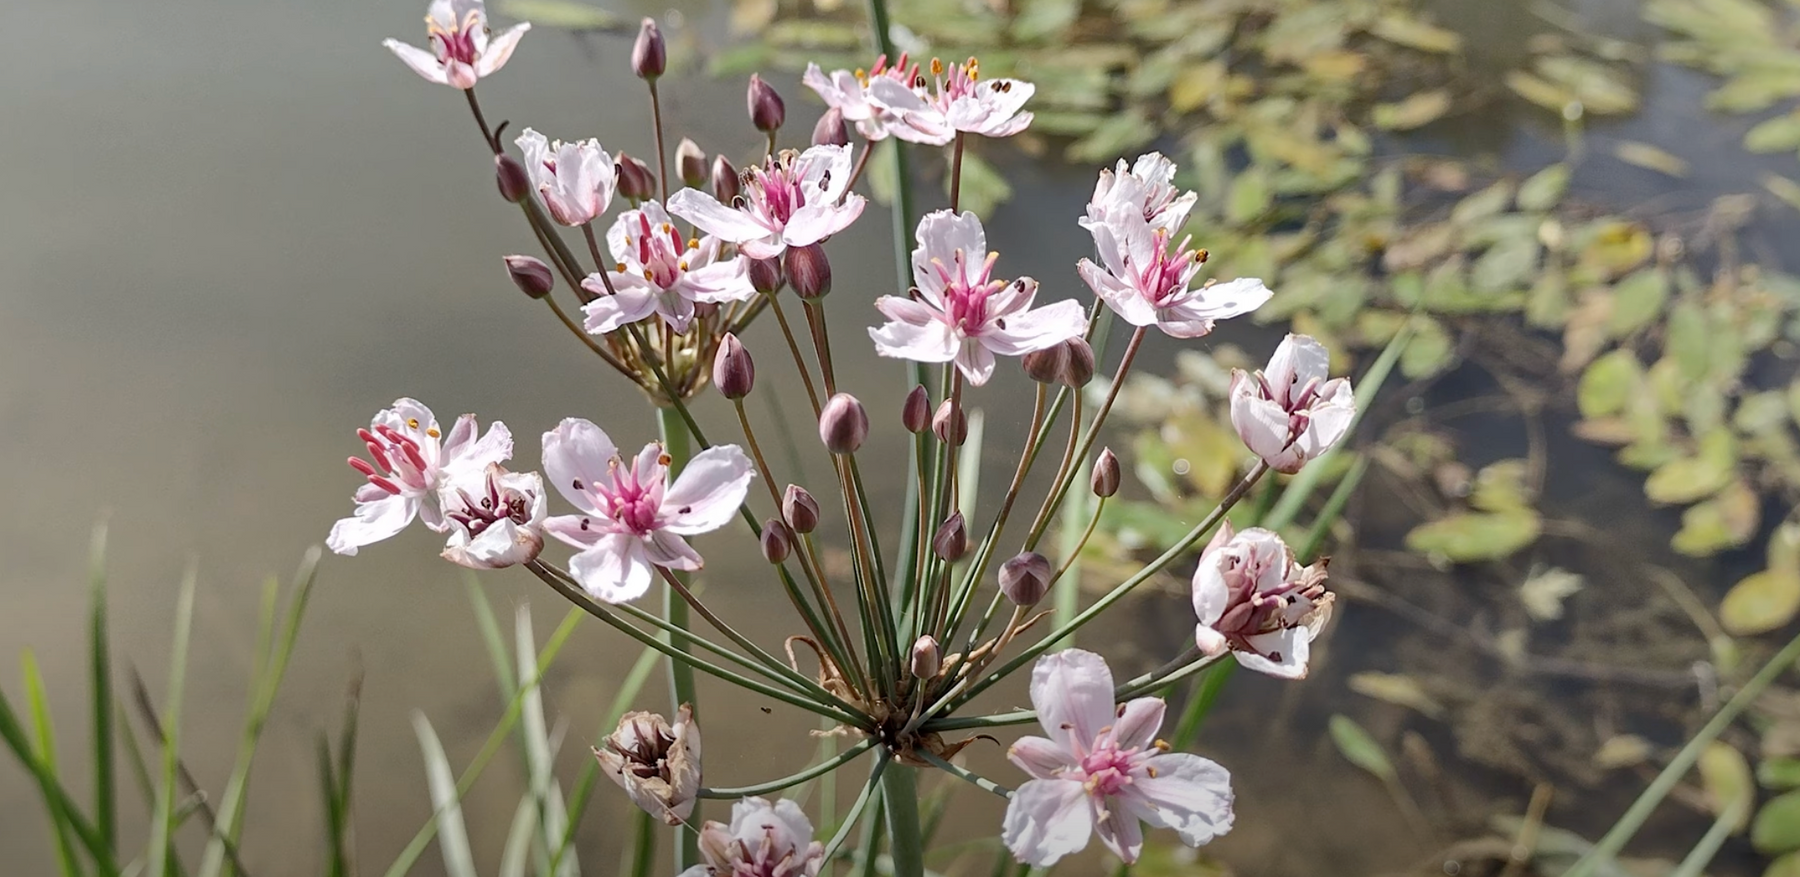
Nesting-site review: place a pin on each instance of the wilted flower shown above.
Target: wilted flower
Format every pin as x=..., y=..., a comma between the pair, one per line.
x=413, y=463
x=848, y=93
x=962, y=101
x=958, y=313
x=1148, y=189
x=633, y=518
x=576, y=179
x=1147, y=283
x=763, y=840
x=461, y=52
x=1254, y=599
x=790, y=201
x=656, y=763
x=1103, y=770
x=659, y=273
x=1292, y=411
x=496, y=521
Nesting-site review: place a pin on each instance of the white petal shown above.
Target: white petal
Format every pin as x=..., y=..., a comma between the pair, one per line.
x=1072, y=691
x=1120, y=831
x=635, y=302
x=501, y=49
x=1288, y=651
x=940, y=235
x=374, y=521
x=1037, y=329
x=615, y=570
x=665, y=549
x=1233, y=298
x=1297, y=360
x=1262, y=424
x=720, y=281
x=1211, y=594
x=1040, y=757
x=705, y=211
x=422, y=62
x=1123, y=298
x=1138, y=722
x=581, y=531
x=816, y=222
x=975, y=361
x=577, y=452
x=1046, y=820
x=708, y=491
x=1185, y=792
x=473, y=459
x=932, y=342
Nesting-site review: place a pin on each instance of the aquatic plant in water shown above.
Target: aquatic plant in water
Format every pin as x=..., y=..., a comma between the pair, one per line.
x=902, y=644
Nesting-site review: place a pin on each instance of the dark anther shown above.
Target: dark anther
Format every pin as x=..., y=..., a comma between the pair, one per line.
x=578, y=484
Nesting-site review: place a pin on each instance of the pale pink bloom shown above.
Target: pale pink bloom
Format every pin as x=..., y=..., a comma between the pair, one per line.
x=1103, y=771
x=848, y=92
x=461, y=52
x=633, y=519
x=413, y=462
x=576, y=180
x=1292, y=411
x=1254, y=599
x=790, y=201
x=763, y=840
x=496, y=518
x=660, y=273
x=1148, y=284
x=957, y=313
x=656, y=763
x=1147, y=188
x=961, y=102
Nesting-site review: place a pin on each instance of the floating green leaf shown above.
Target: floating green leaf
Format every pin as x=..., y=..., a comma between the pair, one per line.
x=1688, y=479
x=565, y=14
x=1778, y=772
x=1359, y=748
x=1726, y=777
x=1777, y=825
x=1637, y=300
x=1466, y=537
x=1542, y=190
x=1608, y=383
x=1779, y=134
x=1761, y=602
x=1415, y=111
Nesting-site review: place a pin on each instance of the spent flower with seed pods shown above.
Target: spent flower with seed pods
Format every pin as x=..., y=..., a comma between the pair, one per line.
x=790, y=200
x=658, y=272
x=413, y=461
x=955, y=101
x=1293, y=410
x=763, y=840
x=1254, y=599
x=655, y=762
x=461, y=50
x=496, y=520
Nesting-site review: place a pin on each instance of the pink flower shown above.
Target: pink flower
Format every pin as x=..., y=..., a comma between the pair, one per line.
x=958, y=314
x=659, y=273
x=633, y=519
x=1147, y=189
x=1293, y=411
x=460, y=50
x=413, y=464
x=848, y=92
x=1255, y=600
x=763, y=840
x=790, y=201
x=1103, y=770
x=962, y=101
x=576, y=180
x=1149, y=285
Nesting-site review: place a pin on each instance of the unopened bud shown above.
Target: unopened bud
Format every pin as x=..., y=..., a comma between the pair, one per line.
x=767, y=111
x=951, y=541
x=636, y=181
x=809, y=271
x=649, y=57
x=734, y=373
x=511, y=177
x=725, y=183
x=777, y=540
x=1105, y=480
x=531, y=275
x=916, y=413
x=1025, y=578
x=690, y=162
x=799, y=509
x=1080, y=368
x=927, y=659
x=1046, y=366
x=766, y=276
x=950, y=424
x=843, y=424
x=830, y=130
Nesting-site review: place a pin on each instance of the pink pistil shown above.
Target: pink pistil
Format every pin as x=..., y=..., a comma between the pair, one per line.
x=1108, y=769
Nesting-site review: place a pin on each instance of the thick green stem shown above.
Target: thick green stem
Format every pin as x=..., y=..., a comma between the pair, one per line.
x=900, y=794
x=675, y=610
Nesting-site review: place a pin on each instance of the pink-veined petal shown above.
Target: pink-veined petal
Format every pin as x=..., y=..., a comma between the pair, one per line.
x=1187, y=793
x=500, y=49
x=1262, y=424
x=1046, y=820
x=616, y=569
x=1232, y=298
x=1124, y=299
x=636, y=301
x=373, y=521
x=578, y=455
x=816, y=222
x=570, y=529
x=1040, y=757
x=941, y=235
x=422, y=62
x=708, y=491
x=1072, y=691
x=665, y=549
x=710, y=216
x=496, y=446
x=1037, y=329
x=976, y=361
x=1139, y=720
x=931, y=342
x=1120, y=831
x=720, y=281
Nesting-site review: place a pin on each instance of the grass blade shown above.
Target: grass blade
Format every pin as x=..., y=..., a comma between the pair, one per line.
x=45, y=729
x=590, y=771
x=162, y=819
x=640, y=859
x=518, y=840
x=552, y=817
x=100, y=668
x=489, y=625
x=335, y=866
x=453, y=837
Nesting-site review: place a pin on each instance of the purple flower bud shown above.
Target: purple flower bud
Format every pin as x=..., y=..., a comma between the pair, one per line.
x=830, y=131
x=690, y=163
x=1105, y=480
x=531, y=275
x=636, y=181
x=511, y=177
x=809, y=271
x=777, y=540
x=916, y=413
x=927, y=659
x=951, y=541
x=950, y=424
x=733, y=371
x=766, y=276
x=649, y=57
x=1080, y=368
x=726, y=185
x=799, y=509
x=767, y=111
x=1025, y=578
x=843, y=424
x=1047, y=366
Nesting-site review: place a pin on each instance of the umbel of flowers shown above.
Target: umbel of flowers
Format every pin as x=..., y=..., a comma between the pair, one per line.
x=897, y=650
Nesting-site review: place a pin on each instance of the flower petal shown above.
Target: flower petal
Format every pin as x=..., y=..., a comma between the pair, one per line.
x=1120, y=831
x=710, y=216
x=501, y=49
x=1072, y=691
x=569, y=529
x=636, y=301
x=374, y=521
x=1138, y=722
x=422, y=62
x=1040, y=757
x=577, y=456
x=708, y=491
x=615, y=570
x=1046, y=820
x=932, y=342
x=1282, y=653
x=1184, y=792
x=816, y=222
x=1037, y=329
x=665, y=549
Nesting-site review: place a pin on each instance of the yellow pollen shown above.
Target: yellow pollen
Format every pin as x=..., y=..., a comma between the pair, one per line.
x=693, y=243
x=683, y=264
x=1162, y=745
x=664, y=459
x=937, y=67
x=412, y=422
x=648, y=275
x=665, y=228
x=621, y=268
x=1200, y=256
x=433, y=432
x=1151, y=771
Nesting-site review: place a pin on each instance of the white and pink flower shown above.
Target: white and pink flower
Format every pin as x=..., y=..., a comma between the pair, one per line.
x=496, y=519
x=1255, y=600
x=959, y=313
x=960, y=102
x=848, y=92
x=1148, y=283
x=1292, y=411
x=1147, y=188
x=576, y=180
x=658, y=272
x=763, y=840
x=461, y=52
x=633, y=519
x=413, y=462
x=1102, y=771
x=790, y=201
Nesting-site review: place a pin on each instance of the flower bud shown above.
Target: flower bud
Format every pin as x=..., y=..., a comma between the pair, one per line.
x=767, y=111
x=734, y=373
x=511, y=177
x=649, y=57
x=1025, y=578
x=843, y=424
x=916, y=413
x=726, y=186
x=777, y=540
x=1048, y=365
x=1080, y=368
x=636, y=181
x=799, y=509
x=809, y=271
x=927, y=660
x=950, y=424
x=830, y=130
x=1105, y=480
x=951, y=541
x=690, y=162
x=766, y=276
x=531, y=275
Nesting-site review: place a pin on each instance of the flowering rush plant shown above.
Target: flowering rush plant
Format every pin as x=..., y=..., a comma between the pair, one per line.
x=937, y=607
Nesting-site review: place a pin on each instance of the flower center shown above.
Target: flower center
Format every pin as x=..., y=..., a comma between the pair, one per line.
x=966, y=297
x=456, y=44
x=400, y=466
x=633, y=504
x=493, y=506
x=773, y=191
x=661, y=251
x=1108, y=769
x=1167, y=276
